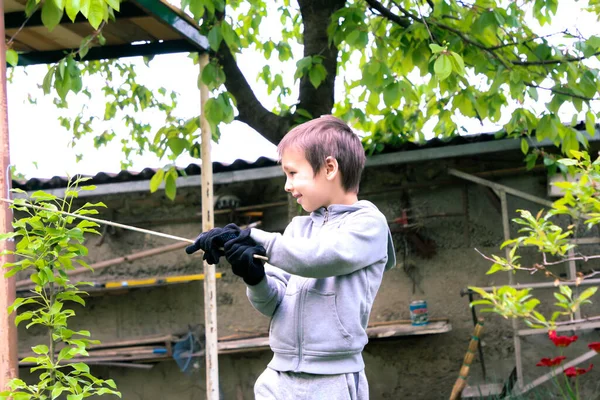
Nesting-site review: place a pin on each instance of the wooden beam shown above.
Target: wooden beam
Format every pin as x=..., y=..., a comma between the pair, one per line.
x=8, y=330
x=14, y=20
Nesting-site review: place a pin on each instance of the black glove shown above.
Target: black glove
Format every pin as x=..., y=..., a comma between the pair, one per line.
x=240, y=254
x=212, y=242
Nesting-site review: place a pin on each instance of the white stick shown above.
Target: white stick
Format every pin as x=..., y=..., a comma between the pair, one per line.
x=103, y=221
x=115, y=224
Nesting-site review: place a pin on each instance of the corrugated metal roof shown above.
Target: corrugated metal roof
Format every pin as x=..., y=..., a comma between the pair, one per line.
x=241, y=165
x=145, y=174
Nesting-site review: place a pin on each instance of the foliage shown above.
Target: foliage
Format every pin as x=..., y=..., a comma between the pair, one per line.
x=51, y=244
x=580, y=202
x=421, y=64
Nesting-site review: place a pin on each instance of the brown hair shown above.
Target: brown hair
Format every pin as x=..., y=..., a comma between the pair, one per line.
x=324, y=137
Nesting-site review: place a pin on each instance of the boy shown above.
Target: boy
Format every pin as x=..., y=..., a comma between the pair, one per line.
x=323, y=272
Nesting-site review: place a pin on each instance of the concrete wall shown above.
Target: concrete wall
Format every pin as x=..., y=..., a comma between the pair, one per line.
x=418, y=367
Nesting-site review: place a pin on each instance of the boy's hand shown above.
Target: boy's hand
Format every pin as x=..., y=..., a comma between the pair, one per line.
x=240, y=254
x=211, y=242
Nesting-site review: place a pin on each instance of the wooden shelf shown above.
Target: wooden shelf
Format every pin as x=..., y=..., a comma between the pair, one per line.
x=389, y=330
x=155, y=349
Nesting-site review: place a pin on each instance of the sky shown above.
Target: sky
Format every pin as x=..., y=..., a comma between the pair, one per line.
x=40, y=146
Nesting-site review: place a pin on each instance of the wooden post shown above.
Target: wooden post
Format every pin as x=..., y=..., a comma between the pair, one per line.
x=208, y=222
x=8, y=331
x=511, y=281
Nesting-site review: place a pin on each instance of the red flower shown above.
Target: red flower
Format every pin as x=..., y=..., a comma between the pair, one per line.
x=561, y=341
x=550, y=362
x=572, y=372
x=595, y=346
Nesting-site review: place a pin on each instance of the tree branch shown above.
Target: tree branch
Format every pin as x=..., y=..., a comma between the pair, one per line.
x=405, y=23
x=549, y=62
x=385, y=12
x=272, y=126
x=562, y=92
x=531, y=39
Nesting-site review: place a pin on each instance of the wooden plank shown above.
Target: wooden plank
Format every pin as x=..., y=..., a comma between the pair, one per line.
x=37, y=41
x=127, y=32
x=138, y=341
x=379, y=332
x=17, y=44
x=482, y=390
x=13, y=6
x=373, y=332
x=155, y=28
x=65, y=37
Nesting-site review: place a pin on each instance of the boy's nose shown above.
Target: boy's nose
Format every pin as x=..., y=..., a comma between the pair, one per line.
x=288, y=186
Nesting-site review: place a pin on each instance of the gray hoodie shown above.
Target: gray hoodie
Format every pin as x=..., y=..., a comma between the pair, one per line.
x=323, y=276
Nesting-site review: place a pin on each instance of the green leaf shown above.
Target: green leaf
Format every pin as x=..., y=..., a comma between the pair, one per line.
x=8, y=235
x=215, y=37
x=590, y=123
x=57, y=391
x=96, y=12
x=443, y=67
x=564, y=289
x=12, y=57
x=317, y=74
x=81, y=367
x=177, y=145
x=51, y=14
x=494, y=268
x=114, y=4
x=391, y=95
x=170, y=187
x=524, y=146
x=589, y=292
x=567, y=161
x=436, y=48
x=156, y=180
x=457, y=63
x=40, y=349
x=23, y=317
x=72, y=7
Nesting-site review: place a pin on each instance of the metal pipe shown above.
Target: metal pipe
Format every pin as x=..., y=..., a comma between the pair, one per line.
x=499, y=187
x=210, y=285
x=555, y=371
x=516, y=337
x=9, y=361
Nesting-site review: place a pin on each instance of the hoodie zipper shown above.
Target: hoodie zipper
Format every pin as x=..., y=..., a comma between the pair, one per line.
x=326, y=216
x=300, y=325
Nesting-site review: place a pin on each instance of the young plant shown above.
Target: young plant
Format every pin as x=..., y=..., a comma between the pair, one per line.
x=49, y=245
x=581, y=202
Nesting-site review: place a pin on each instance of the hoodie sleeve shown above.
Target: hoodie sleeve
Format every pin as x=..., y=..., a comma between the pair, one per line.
x=268, y=293
x=361, y=240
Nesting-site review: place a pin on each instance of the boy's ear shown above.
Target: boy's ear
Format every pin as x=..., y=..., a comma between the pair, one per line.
x=331, y=168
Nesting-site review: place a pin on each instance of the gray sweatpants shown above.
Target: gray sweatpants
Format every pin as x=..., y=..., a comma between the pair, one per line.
x=275, y=385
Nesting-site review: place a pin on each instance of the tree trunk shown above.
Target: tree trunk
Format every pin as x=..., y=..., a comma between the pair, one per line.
x=316, y=17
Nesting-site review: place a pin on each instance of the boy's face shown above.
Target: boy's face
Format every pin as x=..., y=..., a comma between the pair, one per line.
x=311, y=191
